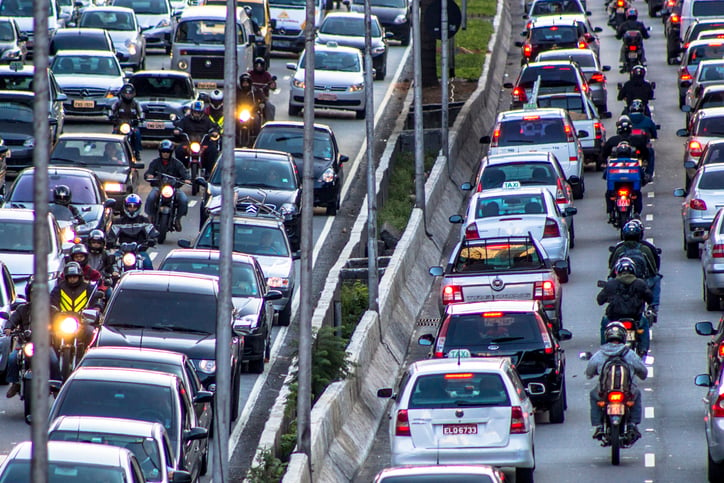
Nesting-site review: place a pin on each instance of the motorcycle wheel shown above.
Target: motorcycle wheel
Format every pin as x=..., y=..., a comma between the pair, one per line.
x=65, y=365
x=615, y=444
x=26, y=401
x=194, y=175
x=163, y=226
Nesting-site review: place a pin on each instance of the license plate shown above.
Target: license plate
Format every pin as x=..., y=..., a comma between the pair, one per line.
x=155, y=125
x=620, y=10
x=456, y=429
x=615, y=409
x=206, y=85
x=327, y=97
x=623, y=202
x=84, y=104
x=633, y=55
x=630, y=336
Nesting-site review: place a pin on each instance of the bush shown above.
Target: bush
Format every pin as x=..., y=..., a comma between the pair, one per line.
x=355, y=300
x=268, y=469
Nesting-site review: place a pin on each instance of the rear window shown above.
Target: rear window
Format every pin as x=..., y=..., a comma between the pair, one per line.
x=711, y=73
x=710, y=126
x=554, y=34
x=583, y=59
x=555, y=7
x=707, y=8
x=553, y=75
x=712, y=100
x=568, y=103
x=479, y=331
x=525, y=173
x=519, y=132
x=243, y=278
x=714, y=154
x=78, y=42
x=711, y=180
x=17, y=82
x=497, y=255
x=704, y=52
x=700, y=27
x=458, y=390
x=531, y=204
x=19, y=470
x=437, y=477
x=144, y=7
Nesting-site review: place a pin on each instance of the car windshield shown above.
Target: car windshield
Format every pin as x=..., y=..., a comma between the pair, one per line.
x=292, y=141
x=711, y=180
x=127, y=400
x=76, y=42
x=257, y=11
x=350, y=26
x=707, y=8
x=477, y=332
x=714, y=154
x=17, y=82
x=19, y=8
x=201, y=32
x=90, y=153
x=554, y=34
x=17, y=236
x=109, y=20
x=163, y=310
x=336, y=61
x=547, y=7
x=7, y=32
x=15, y=112
x=532, y=130
x=163, y=86
x=81, y=188
x=85, y=65
x=497, y=256
x=526, y=173
x=710, y=127
x=699, y=27
x=122, y=362
x=144, y=449
x=144, y=7
x=458, y=389
x=243, y=279
x=572, y=104
x=64, y=472
x=260, y=173
x=512, y=204
x=249, y=239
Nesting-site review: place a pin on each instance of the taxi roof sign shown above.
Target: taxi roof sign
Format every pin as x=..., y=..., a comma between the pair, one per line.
x=16, y=65
x=511, y=185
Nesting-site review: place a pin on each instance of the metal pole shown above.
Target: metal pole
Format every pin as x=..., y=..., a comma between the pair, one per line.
x=304, y=395
x=417, y=103
x=444, y=66
x=223, y=395
x=372, y=277
x=40, y=312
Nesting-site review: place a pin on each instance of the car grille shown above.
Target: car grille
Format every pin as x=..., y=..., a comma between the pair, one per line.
x=287, y=32
x=251, y=209
x=85, y=91
x=14, y=142
x=214, y=69
x=330, y=88
x=156, y=113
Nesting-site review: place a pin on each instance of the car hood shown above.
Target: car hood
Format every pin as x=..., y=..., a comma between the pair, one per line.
x=147, y=21
x=66, y=81
x=7, y=45
x=195, y=346
x=10, y=131
x=246, y=305
x=332, y=77
x=19, y=264
x=274, y=198
x=348, y=41
x=111, y=173
x=90, y=213
x=120, y=36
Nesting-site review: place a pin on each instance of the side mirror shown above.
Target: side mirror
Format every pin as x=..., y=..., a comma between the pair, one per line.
x=291, y=66
x=22, y=38
x=184, y=243
x=109, y=203
x=54, y=386
x=195, y=434
x=703, y=380
x=456, y=219
x=203, y=397
x=597, y=29
x=273, y=295
x=600, y=283
x=180, y=476
x=426, y=340
x=385, y=392
x=570, y=211
x=686, y=108
x=679, y=192
x=436, y=271
x=91, y=316
x=518, y=43
x=565, y=334
x=605, y=68
x=138, y=165
x=584, y=356
x=705, y=328
x=61, y=97
x=485, y=140
x=343, y=158
x=582, y=134
x=466, y=187
x=689, y=164
x=682, y=133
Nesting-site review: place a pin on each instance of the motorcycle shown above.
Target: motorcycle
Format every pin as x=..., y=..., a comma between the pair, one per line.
x=25, y=350
x=623, y=182
x=249, y=122
x=633, y=50
x=165, y=217
x=617, y=13
x=128, y=257
x=193, y=153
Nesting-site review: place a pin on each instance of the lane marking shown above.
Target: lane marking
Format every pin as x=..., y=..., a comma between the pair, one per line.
x=650, y=194
x=649, y=217
x=649, y=412
x=650, y=240
x=649, y=358
x=649, y=460
x=192, y=203
x=651, y=372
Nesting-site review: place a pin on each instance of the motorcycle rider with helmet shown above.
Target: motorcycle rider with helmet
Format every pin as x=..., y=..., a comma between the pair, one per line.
x=196, y=124
x=62, y=196
x=133, y=226
x=644, y=126
x=614, y=346
x=127, y=109
x=263, y=82
x=74, y=294
x=20, y=319
x=79, y=254
x=637, y=87
x=215, y=109
x=626, y=295
x=632, y=23
x=166, y=163
x=98, y=257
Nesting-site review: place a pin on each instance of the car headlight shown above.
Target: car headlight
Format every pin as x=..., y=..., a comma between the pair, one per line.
x=10, y=54
x=207, y=366
x=356, y=87
x=29, y=143
x=277, y=282
x=67, y=234
x=327, y=176
x=288, y=209
x=172, y=116
x=68, y=325
x=114, y=187
x=298, y=83
x=379, y=50
x=182, y=65
x=29, y=349
x=131, y=48
x=402, y=18
x=163, y=23
x=249, y=320
x=129, y=259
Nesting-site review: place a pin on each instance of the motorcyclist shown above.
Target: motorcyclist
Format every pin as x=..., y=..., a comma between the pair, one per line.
x=79, y=253
x=215, y=109
x=614, y=345
x=643, y=125
x=166, y=163
x=624, y=132
x=196, y=124
x=264, y=82
x=626, y=295
x=74, y=294
x=127, y=109
x=20, y=319
x=62, y=196
x=637, y=87
x=134, y=226
x=632, y=233
x=98, y=257
x=247, y=96
x=631, y=23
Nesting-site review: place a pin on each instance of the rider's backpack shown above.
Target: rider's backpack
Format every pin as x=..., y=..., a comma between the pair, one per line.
x=615, y=374
x=639, y=259
x=624, y=303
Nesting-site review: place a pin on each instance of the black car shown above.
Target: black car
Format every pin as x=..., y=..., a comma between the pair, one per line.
x=288, y=136
x=171, y=311
x=82, y=39
x=253, y=308
x=17, y=127
x=163, y=95
x=715, y=346
x=394, y=15
x=516, y=329
x=271, y=177
x=143, y=395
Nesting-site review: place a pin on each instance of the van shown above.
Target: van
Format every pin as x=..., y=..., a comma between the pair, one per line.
x=692, y=10
x=261, y=21
x=198, y=45
x=22, y=12
x=289, y=17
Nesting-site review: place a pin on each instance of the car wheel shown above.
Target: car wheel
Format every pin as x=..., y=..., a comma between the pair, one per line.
x=405, y=40
x=578, y=190
x=360, y=114
x=257, y=366
x=234, y=413
x=285, y=315
x=562, y=274
x=294, y=110
x=524, y=475
x=711, y=300
x=571, y=238
x=715, y=470
x=557, y=411
x=692, y=249
x=381, y=73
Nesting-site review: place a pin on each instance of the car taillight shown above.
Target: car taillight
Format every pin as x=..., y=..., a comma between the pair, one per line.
x=615, y=397
x=496, y=131
x=452, y=294
x=598, y=128
x=518, y=421
x=569, y=133
x=684, y=75
x=471, y=232
x=561, y=197
x=582, y=45
x=673, y=18
x=695, y=148
x=598, y=77
x=545, y=290
x=721, y=350
x=402, y=424
x=527, y=50
x=697, y=204
x=717, y=409
x=519, y=95
x=551, y=230
x=717, y=251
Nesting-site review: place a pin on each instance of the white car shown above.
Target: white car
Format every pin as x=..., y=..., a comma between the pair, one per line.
x=125, y=32
x=514, y=212
x=462, y=411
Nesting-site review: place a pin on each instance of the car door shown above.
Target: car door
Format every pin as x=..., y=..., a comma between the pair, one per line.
x=263, y=288
x=710, y=240
x=713, y=350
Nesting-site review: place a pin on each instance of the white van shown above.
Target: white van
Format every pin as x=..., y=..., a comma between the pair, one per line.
x=22, y=12
x=290, y=15
x=693, y=10
x=198, y=44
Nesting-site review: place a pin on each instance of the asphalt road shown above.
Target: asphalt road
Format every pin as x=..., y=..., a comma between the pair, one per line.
x=673, y=447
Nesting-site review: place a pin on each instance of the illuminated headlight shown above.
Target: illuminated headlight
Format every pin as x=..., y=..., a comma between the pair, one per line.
x=182, y=65
x=131, y=48
x=379, y=50
x=29, y=143
x=356, y=87
x=207, y=366
x=67, y=234
x=172, y=116
x=402, y=18
x=129, y=259
x=195, y=147
x=167, y=191
x=288, y=209
x=298, y=83
x=68, y=325
x=277, y=282
x=125, y=128
x=29, y=349
x=244, y=115
x=327, y=176
x=111, y=94
x=247, y=320
x=163, y=23
x=113, y=187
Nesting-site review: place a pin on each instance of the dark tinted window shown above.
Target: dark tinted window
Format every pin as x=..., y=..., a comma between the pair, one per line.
x=554, y=34
x=551, y=75
x=95, y=152
x=81, y=187
x=7, y=32
x=253, y=240
x=477, y=332
x=554, y=7
x=347, y=26
x=144, y=7
x=715, y=99
x=497, y=256
x=569, y=103
x=707, y=8
x=163, y=310
x=109, y=20
x=16, y=112
x=17, y=82
x=175, y=87
x=16, y=236
x=438, y=477
x=328, y=60
x=65, y=472
x=132, y=364
x=292, y=141
x=458, y=390
x=532, y=130
x=711, y=180
x=243, y=278
x=710, y=126
x=262, y=173
x=78, y=42
x=714, y=154
x=512, y=204
x=704, y=52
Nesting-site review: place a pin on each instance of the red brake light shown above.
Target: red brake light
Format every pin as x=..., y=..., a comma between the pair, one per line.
x=620, y=3
x=633, y=48
x=441, y=337
x=496, y=132
x=531, y=118
x=492, y=314
x=673, y=18
x=545, y=290
x=471, y=232
x=717, y=409
x=527, y=50
x=452, y=294
x=582, y=45
x=695, y=148
x=462, y=375
x=561, y=195
x=627, y=324
x=623, y=192
x=721, y=350
x=569, y=131
x=402, y=425
x=684, y=75
x=598, y=127
x=717, y=251
x=518, y=421
x=615, y=397
x=697, y=204
x=551, y=229
x=598, y=77
x=519, y=95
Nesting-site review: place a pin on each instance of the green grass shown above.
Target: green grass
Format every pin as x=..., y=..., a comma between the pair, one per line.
x=398, y=206
x=482, y=8
x=472, y=43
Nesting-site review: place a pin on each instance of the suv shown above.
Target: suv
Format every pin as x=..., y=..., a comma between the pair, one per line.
x=516, y=329
x=163, y=95
x=697, y=10
x=555, y=75
x=17, y=128
x=558, y=32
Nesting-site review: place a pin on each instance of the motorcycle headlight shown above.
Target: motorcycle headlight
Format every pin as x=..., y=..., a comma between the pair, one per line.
x=277, y=282
x=29, y=349
x=68, y=234
x=129, y=259
x=182, y=65
x=327, y=176
x=124, y=128
x=244, y=115
x=167, y=191
x=113, y=187
x=68, y=325
x=298, y=83
x=207, y=366
x=195, y=147
x=402, y=18
x=29, y=143
x=288, y=209
x=356, y=87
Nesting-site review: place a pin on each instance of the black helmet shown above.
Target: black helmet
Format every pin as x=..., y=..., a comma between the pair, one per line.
x=260, y=61
x=624, y=265
x=78, y=248
x=637, y=105
x=632, y=14
x=245, y=78
x=62, y=195
x=72, y=269
x=128, y=91
x=166, y=146
x=638, y=72
x=96, y=236
x=624, y=125
x=216, y=99
x=615, y=331
x=633, y=230
x=623, y=150
x=132, y=205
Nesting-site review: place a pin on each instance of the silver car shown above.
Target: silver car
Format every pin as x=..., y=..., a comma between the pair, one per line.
x=125, y=32
x=12, y=42
x=714, y=422
x=338, y=78
x=449, y=473
x=712, y=263
x=701, y=203
x=462, y=411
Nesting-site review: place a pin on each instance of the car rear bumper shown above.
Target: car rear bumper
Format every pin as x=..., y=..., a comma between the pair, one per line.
x=715, y=278
x=517, y=453
x=696, y=229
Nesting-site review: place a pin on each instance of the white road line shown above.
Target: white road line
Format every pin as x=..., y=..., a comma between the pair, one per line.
x=649, y=460
x=650, y=194
x=651, y=372
x=649, y=217
x=649, y=359
x=649, y=412
x=650, y=240
x=192, y=203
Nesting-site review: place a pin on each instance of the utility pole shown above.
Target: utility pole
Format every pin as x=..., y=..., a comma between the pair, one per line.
x=223, y=395
x=444, y=61
x=372, y=277
x=40, y=312
x=417, y=103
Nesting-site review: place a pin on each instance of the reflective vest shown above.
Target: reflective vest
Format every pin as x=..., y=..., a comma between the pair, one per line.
x=70, y=304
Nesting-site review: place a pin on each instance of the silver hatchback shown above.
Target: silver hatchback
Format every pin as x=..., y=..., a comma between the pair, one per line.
x=704, y=198
x=712, y=263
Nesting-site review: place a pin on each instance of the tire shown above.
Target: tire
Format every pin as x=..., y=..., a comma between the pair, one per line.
x=285, y=315
x=294, y=111
x=163, y=226
x=405, y=40
x=578, y=190
x=27, y=401
x=715, y=470
x=194, y=175
x=204, y=466
x=572, y=236
x=711, y=300
x=615, y=445
x=234, y=412
x=332, y=209
x=360, y=114
x=380, y=74
x=692, y=249
x=557, y=411
x=65, y=365
x=524, y=475
x=257, y=366
x=562, y=275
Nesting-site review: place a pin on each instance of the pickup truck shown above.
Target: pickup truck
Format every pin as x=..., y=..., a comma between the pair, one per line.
x=502, y=268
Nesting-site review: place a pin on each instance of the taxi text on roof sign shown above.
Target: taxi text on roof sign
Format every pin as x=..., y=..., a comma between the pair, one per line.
x=511, y=185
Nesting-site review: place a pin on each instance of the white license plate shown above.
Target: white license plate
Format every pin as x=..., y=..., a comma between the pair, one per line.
x=327, y=97
x=620, y=10
x=206, y=85
x=456, y=429
x=623, y=202
x=633, y=55
x=630, y=335
x=155, y=125
x=84, y=104
x=615, y=409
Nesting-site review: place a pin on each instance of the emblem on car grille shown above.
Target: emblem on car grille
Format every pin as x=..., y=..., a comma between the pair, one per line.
x=459, y=413
x=85, y=93
x=252, y=209
x=497, y=284
x=282, y=31
x=493, y=347
x=207, y=64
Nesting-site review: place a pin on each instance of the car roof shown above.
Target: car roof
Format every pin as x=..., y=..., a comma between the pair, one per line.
x=712, y=167
x=135, y=353
x=127, y=427
x=332, y=47
x=24, y=68
x=264, y=154
x=560, y=52
x=523, y=190
x=205, y=254
x=438, y=366
x=160, y=73
x=710, y=112
x=700, y=42
x=86, y=53
x=493, y=305
x=160, y=280
x=25, y=96
x=240, y=219
x=210, y=12
x=709, y=62
x=566, y=19
x=519, y=157
x=123, y=375
x=92, y=136
x=74, y=452
x=544, y=112
x=106, y=8
x=295, y=125
x=561, y=62
x=67, y=32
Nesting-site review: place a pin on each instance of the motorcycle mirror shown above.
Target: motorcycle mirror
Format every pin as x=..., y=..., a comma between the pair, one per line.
x=600, y=283
x=682, y=133
x=426, y=340
x=705, y=328
x=703, y=380
x=605, y=68
x=619, y=85
x=109, y=203
x=564, y=334
x=606, y=115
x=611, y=249
x=584, y=356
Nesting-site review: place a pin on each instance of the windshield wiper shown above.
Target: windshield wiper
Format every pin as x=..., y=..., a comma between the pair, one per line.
x=172, y=328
